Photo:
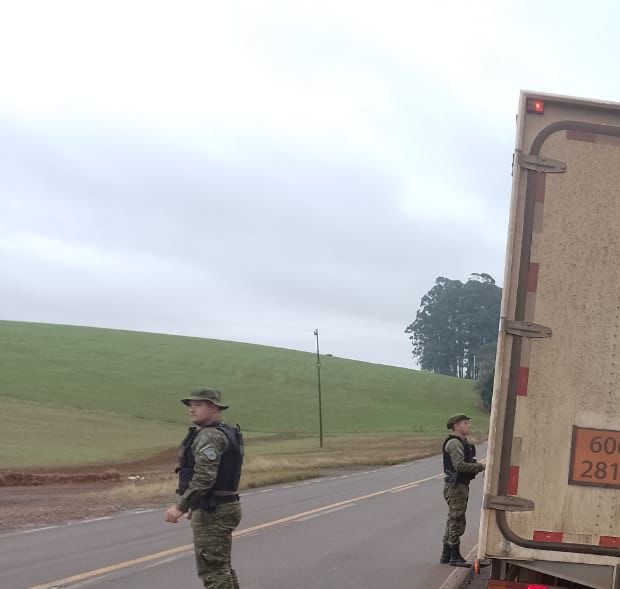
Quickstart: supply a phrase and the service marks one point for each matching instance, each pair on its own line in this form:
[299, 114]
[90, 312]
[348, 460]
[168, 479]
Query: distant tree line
[455, 330]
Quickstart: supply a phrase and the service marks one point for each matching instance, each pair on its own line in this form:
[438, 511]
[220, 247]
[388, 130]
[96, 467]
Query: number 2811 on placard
[595, 457]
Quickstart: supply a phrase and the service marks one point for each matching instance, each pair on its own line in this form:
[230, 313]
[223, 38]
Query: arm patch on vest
[209, 451]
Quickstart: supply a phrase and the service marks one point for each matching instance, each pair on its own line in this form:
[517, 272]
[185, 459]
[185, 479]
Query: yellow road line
[411, 486]
[112, 568]
[238, 534]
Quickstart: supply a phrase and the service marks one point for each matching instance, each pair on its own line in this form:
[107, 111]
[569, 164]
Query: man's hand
[173, 515]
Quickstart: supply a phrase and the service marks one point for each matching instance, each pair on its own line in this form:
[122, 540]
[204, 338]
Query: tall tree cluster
[455, 329]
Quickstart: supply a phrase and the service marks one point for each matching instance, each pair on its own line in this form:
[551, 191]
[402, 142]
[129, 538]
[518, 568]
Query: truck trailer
[551, 506]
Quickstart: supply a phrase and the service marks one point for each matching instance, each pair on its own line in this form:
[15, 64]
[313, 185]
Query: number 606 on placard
[595, 458]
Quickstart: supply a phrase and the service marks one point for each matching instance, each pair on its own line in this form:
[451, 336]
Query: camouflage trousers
[213, 543]
[456, 496]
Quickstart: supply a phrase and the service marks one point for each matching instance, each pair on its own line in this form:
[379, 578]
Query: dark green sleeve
[208, 447]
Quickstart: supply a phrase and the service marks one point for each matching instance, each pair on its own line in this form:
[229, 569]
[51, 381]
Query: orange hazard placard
[595, 458]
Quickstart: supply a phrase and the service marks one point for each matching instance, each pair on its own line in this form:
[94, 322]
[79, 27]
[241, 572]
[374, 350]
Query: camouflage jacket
[455, 450]
[208, 447]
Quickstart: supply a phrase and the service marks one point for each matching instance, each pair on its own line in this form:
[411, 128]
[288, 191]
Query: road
[377, 528]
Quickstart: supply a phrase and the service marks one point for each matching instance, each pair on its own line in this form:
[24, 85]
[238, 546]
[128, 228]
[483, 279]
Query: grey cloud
[275, 239]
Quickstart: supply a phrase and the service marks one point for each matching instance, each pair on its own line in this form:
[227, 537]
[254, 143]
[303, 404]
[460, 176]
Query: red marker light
[535, 106]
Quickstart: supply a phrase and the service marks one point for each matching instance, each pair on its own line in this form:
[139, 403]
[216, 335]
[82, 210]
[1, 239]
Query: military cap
[205, 394]
[456, 418]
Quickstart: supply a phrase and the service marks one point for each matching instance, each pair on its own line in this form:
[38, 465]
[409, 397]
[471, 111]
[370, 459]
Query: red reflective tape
[541, 536]
[609, 541]
[513, 480]
[514, 585]
[532, 278]
[524, 377]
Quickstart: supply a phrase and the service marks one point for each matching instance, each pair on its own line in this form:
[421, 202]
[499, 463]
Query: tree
[480, 318]
[454, 322]
[484, 384]
[484, 387]
[433, 339]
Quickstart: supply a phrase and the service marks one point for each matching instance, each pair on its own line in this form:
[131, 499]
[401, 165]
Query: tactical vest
[469, 450]
[228, 473]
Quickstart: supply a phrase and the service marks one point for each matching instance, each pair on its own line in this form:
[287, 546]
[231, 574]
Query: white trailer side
[552, 487]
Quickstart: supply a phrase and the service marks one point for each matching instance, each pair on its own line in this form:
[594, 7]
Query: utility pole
[318, 373]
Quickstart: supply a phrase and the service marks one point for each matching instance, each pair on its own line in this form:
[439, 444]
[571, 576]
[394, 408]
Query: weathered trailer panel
[552, 489]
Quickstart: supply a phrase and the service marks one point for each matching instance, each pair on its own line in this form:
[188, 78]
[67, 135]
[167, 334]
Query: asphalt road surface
[377, 528]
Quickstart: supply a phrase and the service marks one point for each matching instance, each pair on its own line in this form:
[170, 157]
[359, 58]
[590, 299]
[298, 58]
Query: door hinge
[539, 163]
[526, 329]
[507, 503]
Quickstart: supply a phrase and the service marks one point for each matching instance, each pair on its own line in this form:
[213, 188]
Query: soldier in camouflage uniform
[460, 467]
[209, 467]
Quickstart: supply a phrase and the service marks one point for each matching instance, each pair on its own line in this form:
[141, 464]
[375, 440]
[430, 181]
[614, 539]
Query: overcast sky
[254, 170]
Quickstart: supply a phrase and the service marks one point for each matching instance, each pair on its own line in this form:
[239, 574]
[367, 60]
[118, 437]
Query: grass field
[74, 395]
[42, 435]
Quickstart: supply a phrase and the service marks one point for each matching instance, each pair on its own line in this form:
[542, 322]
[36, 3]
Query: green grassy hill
[62, 376]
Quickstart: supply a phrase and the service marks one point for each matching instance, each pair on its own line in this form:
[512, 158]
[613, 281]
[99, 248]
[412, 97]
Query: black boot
[456, 558]
[446, 554]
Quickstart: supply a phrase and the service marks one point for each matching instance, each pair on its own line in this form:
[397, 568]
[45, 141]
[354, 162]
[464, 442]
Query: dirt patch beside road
[33, 507]
[31, 479]
[45, 497]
